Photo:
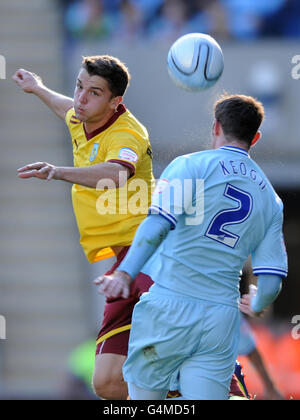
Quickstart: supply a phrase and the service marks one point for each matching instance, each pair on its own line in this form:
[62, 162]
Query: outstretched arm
[151, 232]
[86, 176]
[32, 83]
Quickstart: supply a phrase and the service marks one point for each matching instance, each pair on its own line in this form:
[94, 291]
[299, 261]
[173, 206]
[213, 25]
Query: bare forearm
[90, 176]
[32, 83]
[58, 103]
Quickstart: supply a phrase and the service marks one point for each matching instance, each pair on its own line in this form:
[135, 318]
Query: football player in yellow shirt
[111, 150]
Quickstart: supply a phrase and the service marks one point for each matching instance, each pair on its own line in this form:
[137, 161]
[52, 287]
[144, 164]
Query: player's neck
[222, 141]
[91, 126]
[236, 144]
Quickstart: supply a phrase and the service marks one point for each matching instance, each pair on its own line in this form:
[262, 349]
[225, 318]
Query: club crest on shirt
[94, 152]
[128, 154]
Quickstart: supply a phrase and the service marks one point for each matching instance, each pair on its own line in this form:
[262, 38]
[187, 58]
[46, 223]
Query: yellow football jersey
[107, 216]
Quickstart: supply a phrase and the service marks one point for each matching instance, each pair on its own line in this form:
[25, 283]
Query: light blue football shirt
[223, 209]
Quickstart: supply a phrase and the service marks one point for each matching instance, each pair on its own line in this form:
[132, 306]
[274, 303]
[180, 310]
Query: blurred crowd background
[143, 20]
[51, 308]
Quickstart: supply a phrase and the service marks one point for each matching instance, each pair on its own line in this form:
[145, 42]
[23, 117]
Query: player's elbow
[119, 174]
[108, 176]
[110, 183]
[120, 182]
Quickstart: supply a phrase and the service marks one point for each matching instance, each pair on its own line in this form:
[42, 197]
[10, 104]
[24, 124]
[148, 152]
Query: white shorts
[182, 343]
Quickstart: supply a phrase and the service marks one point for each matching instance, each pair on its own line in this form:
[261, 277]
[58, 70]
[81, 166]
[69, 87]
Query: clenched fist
[27, 81]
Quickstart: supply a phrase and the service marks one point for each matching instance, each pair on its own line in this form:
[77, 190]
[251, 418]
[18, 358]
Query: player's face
[93, 100]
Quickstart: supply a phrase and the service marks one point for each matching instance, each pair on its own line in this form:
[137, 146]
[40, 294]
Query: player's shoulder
[191, 158]
[188, 164]
[128, 123]
[278, 204]
[70, 118]
[204, 155]
[196, 161]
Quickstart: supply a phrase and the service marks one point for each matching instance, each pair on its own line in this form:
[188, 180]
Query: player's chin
[80, 116]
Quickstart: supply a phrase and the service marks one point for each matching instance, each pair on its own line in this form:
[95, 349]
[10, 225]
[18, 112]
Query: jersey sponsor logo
[94, 152]
[128, 154]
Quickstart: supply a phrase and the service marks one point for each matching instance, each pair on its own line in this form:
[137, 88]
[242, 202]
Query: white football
[195, 62]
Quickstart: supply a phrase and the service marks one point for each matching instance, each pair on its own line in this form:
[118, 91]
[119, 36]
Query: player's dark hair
[240, 117]
[111, 69]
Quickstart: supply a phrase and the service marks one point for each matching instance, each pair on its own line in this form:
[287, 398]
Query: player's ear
[216, 128]
[115, 102]
[256, 138]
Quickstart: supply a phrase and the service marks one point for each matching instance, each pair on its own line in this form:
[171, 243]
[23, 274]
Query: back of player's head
[240, 117]
[111, 69]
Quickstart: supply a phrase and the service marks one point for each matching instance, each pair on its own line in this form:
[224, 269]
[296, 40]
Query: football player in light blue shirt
[209, 212]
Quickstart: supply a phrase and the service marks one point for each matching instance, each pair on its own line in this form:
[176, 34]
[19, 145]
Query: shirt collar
[235, 150]
[120, 110]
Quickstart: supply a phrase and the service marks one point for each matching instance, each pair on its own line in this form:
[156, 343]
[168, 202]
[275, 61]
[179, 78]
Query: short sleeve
[270, 256]
[125, 148]
[70, 114]
[173, 192]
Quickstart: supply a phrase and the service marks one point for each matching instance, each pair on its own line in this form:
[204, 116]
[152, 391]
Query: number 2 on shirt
[216, 229]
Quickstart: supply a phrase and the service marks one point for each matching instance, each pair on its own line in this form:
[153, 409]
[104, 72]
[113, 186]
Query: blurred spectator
[284, 22]
[169, 19]
[150, 10]
[148, 7]
[112, 6]
[245, 18]
[208, 16]
[129, 23]
[86, 19]
[178, 17]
